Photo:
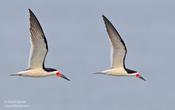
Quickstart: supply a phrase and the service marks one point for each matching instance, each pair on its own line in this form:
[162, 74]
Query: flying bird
[38, 52]
[119, 51]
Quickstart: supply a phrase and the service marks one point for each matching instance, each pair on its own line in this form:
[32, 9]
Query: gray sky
[79, 46]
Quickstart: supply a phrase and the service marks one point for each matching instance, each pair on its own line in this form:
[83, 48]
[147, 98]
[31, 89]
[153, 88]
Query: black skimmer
[39, 49]
[119, 53]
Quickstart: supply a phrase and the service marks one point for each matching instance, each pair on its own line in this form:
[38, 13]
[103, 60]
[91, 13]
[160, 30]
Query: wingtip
[29, 10]
[104, 18]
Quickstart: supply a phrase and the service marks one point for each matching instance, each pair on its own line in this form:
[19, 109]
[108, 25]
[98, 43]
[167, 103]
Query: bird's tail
[15, 74]
[99, 73]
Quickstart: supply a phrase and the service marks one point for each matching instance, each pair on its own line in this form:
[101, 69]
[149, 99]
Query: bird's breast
[116, 72]
[35, 73]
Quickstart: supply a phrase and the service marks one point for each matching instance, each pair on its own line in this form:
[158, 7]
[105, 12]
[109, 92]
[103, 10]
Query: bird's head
[138, 75]
[135, 73]
[60, 75]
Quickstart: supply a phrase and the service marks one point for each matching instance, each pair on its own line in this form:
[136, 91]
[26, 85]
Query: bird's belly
[116, 72]
[34, 73]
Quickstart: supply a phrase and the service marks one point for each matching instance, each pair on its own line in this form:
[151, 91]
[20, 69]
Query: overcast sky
[79, 46]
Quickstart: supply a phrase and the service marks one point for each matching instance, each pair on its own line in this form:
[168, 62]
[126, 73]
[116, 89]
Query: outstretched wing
[119, 48]
[39, 47]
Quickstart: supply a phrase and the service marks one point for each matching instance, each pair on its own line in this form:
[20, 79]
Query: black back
[130, 71]
[49, 69]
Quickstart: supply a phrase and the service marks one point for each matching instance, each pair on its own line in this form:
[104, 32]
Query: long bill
[142, 78]
[65, 77]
